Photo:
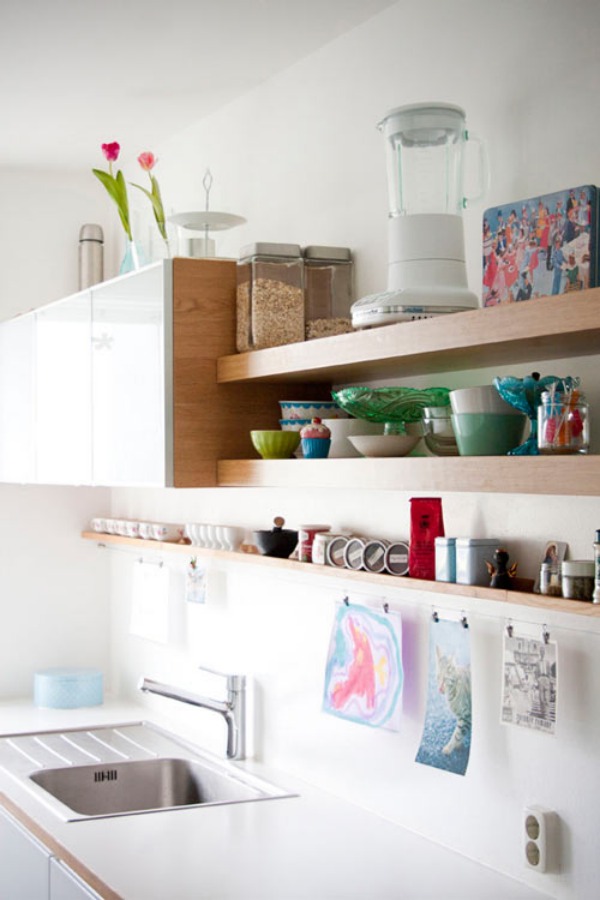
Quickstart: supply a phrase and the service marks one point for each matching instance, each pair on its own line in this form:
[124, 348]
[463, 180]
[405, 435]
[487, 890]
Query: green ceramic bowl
[488, 434]
[275, 444]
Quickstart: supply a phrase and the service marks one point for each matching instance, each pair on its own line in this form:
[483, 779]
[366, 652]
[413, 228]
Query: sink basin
[140, 785]
[125, 770]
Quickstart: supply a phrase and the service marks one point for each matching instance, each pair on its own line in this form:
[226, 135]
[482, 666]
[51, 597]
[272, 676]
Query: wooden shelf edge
[545, 475]
[547, 327]
[518, 598]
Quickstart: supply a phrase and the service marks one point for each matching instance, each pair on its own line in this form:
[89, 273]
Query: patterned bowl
[311, 409]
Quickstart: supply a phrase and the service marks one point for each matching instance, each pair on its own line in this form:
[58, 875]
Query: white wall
[300, 158]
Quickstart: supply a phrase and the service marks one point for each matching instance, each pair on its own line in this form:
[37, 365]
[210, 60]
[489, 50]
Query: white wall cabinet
[17, 403]
[63, 407]
[131, 395]
[24, 862]
[117, 385]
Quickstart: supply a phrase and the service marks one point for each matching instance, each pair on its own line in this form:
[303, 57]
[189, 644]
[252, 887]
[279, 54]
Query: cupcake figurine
[315, 439]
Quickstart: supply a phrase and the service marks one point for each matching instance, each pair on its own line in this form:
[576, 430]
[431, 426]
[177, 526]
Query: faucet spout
[233, 709]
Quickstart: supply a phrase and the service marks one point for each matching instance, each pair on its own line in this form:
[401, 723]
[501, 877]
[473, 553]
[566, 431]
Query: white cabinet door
[66, 885]
[17, 408]
[131, 365]
[24, 863]
[63, 392]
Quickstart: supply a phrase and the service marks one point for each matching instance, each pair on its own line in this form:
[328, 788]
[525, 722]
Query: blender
[425, 151]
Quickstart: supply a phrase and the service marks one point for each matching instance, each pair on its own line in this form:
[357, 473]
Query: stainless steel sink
[124, 770]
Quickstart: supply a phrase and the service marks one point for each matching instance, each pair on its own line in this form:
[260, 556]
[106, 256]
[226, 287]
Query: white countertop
[312, 846]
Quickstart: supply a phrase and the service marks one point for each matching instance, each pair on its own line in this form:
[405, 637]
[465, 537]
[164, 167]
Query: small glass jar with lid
[578, 579]
[563, 423]
[328, 273]
[270, 296]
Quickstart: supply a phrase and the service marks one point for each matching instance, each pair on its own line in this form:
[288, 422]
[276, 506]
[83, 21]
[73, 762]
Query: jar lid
[333, 254]
[264, 248]
[445, 541]
[478, 542]
[315, 429]
[582, 567]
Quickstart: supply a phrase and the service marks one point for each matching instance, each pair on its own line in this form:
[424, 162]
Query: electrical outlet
[540, 833]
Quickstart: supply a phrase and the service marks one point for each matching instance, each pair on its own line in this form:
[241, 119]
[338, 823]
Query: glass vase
[133, 258]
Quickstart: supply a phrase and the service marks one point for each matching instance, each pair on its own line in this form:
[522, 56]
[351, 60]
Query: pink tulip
[111, 151]
[147, 161]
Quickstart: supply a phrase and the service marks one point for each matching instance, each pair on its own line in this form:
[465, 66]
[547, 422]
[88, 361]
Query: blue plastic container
[68, 688]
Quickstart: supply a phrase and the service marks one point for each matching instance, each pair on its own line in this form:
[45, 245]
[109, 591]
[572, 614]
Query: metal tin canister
[396, 558]
[471, 557]
[335, 551]
[374, 555]
[445, 559]
[354, 554]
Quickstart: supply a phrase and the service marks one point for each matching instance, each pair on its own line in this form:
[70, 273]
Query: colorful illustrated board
[364, 675]
[530, 684]
[446, 739]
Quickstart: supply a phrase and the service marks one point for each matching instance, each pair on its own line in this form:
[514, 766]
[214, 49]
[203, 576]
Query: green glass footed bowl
[392, 405]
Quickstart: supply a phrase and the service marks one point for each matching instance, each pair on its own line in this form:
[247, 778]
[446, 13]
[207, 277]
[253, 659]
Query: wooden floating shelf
[545, 328]
[269, 563]
[549, 475]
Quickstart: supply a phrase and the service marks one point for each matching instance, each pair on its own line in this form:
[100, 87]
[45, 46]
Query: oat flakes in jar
[270, 296]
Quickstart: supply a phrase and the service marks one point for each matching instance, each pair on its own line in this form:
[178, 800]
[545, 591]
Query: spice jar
[563, 423]
[328, 273]
[578, 579]
[550, 579]
[270, 296]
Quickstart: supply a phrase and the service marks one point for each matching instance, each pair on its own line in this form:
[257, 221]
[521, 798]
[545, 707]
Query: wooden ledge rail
[518, 598]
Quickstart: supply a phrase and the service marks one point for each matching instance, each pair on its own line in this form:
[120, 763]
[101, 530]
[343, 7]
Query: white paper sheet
[150, 602]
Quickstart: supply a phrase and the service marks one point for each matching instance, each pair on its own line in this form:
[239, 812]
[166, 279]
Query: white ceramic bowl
[482, 399]
[342, 429]
[384, 444]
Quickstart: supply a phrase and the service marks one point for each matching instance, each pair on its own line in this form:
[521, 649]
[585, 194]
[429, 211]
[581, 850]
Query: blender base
[410, 304]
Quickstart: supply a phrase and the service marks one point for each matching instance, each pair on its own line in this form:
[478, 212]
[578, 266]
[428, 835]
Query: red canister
[306, 538]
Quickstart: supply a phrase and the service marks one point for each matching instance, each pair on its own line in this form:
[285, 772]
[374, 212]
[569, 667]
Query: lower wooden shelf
[518, 598]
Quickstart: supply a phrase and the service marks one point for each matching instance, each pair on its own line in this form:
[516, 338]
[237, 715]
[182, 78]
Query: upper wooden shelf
[546, 328]
[542, 475]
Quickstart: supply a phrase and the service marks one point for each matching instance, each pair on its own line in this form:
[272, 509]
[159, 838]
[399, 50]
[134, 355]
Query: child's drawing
[363, 677]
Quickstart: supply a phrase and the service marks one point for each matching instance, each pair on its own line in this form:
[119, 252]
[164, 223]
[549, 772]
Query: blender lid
[423, 123]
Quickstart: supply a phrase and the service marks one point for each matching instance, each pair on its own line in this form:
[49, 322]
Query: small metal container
[336, 551]
[445, 559]
[396, 558]
[471, 557]
[374, 555]
[354, 554]
[91, 256]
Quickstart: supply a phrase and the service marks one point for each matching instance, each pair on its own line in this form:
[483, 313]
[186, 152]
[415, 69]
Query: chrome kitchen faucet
[233, 709]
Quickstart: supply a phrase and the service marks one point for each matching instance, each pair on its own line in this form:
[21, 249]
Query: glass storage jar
[270, 296]
[563, 423]
[578, 579]
[328, 273]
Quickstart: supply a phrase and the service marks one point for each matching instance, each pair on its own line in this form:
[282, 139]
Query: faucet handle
[235, 683]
